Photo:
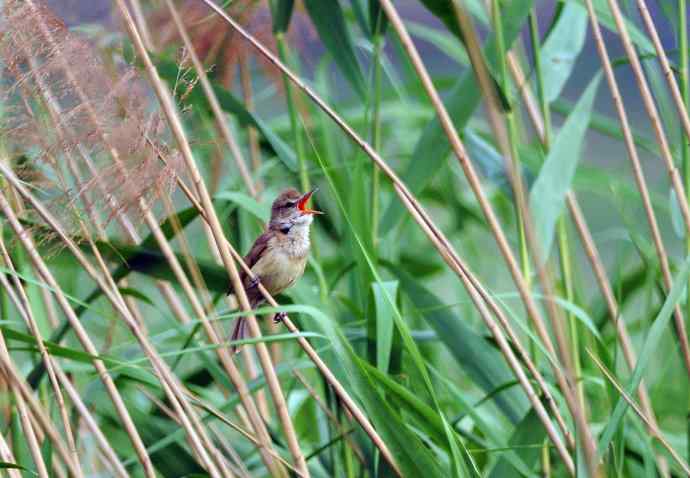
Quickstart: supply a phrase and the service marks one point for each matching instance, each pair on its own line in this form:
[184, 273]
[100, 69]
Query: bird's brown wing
[253, 293]
[250, 259]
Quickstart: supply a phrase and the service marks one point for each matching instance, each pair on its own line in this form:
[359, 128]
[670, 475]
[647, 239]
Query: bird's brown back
[253, 293]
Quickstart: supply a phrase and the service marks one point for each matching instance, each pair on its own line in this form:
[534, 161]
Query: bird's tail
[238, 333]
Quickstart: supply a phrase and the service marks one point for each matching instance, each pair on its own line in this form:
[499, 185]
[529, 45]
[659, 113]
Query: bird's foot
[256, 280]
[279, 317]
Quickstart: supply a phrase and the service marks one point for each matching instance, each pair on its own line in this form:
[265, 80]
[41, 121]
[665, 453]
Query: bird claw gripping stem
[279, 317]
[254, 282]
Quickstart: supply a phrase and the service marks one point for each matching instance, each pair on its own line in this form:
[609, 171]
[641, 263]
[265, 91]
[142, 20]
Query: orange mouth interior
[302, 204]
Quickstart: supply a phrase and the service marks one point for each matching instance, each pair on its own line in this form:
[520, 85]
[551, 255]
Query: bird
[278, 256]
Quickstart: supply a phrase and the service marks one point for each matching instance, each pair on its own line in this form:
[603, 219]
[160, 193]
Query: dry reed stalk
[316, 99]
[223, 355]
[604, 285]
[472, 177]
[656, 433]
[515, 341]
[201, 443]
[134, 237]
[218, 115]
[589, 247]
[58, 471]
[111, 456]
[672, 171]
[600, 272]
[252, 371]
[564, 377]
[198, 402]
[565, 380]
[224, 130]
[253, 418]
[27, 429]
[199, 283]
[175, 418]
[93, 117]
[596, 263]
[140, 18]
[49, 307]
[169, 110]
[638, 173]
[588, 243]
[306, 346]
[51, 366]
[526, 92]
[130, 233]
[8, 457]
[172, 260]
[665, 66]
[168, 383]
[652, 111]
[80, 332]
[240, 468]
[31, 440]
[211, 333]
[364, 146]
[331, 417]
[16, 384]
[496, 331]
[186, 252]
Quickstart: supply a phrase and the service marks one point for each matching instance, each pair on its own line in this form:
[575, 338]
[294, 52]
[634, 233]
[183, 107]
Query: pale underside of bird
[278, 257]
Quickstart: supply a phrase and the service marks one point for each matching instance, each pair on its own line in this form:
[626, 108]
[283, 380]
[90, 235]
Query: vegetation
[491, 292]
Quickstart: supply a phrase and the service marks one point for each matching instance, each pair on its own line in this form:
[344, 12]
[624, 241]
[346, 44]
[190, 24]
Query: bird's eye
[290, 203]
[285, 229]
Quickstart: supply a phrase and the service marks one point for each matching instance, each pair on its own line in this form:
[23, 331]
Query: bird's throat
[296, 242]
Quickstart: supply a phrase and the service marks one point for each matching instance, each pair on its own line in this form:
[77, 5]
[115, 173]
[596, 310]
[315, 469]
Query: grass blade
[432, 148]
[547, 195]
[384, 322]
[484, 365]
[649, 348]
[329, 21]
[562, 47]
[281, 12]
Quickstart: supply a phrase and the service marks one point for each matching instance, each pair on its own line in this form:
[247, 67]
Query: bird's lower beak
[302, 204]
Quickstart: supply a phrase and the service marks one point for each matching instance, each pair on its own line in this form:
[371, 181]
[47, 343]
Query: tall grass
[481, 298]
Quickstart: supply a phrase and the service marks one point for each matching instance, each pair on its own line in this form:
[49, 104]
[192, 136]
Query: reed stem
[376, 134]
[293, 113]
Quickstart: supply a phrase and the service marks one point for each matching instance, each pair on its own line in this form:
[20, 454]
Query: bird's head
[290, 207]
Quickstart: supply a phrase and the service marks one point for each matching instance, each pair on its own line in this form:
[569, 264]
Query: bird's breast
[278, 269]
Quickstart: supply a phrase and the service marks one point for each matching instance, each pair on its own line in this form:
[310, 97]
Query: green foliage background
[378, 303]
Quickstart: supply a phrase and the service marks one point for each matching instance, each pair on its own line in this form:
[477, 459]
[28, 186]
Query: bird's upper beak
[302, 204]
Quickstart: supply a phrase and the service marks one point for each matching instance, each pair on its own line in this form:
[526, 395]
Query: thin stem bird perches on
[297, 81]
[339, 390]
[169, 110]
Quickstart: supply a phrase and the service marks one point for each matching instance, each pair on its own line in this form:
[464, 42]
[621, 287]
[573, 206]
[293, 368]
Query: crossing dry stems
[102, 152]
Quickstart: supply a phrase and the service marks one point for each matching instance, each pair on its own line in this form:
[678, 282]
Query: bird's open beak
[302, 204]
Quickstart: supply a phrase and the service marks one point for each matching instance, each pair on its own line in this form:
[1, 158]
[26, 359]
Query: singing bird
[278, 257]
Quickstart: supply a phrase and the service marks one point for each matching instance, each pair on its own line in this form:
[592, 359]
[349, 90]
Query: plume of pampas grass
[79, 126]
[216, 43]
